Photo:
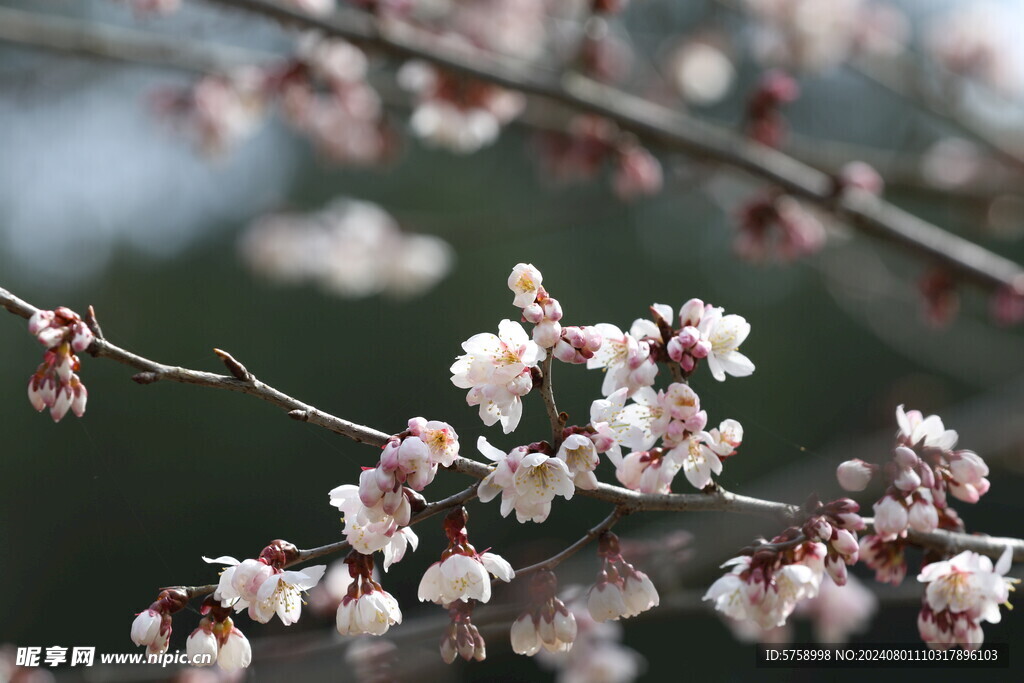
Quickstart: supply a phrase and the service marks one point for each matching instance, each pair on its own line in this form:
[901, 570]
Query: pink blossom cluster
[264, 586]
[767, 585]
[588, 145]
[621, 590]
[961, 593]
[55, 384]
[547, 623]
[764, 121]
[775, 225]
[924, 470]
[152, 626]
[219, 639]
[456, 112]
[575, 345]
[366, 608]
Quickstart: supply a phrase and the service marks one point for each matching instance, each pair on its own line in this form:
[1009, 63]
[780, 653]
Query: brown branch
[547, 392]
[564, 555]
[672, 130]
[629, 501]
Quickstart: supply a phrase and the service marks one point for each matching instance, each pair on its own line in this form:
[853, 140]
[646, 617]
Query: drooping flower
[366, 608]
[152, 627]
[462, 572]
[621, 589]
[527, 480]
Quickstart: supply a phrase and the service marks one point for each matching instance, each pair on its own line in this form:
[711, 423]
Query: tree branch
[670, 129]
[629, 501]
[564, 555]
[547, 392]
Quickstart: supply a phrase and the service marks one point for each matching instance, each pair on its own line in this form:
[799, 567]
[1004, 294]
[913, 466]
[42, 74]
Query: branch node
[300, 415]
[145, 377]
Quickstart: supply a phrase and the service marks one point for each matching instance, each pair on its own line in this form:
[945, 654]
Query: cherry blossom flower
[369, 529]
[580, 456]
[885, 557]
[496, 370]
[527, 480]
[264, 586]
[627, 362]
[726, 333]
[854, 475]
[152, 627]
[218, 640]
[525, 282]
[961, 593]
[462, 573]
[767, 586]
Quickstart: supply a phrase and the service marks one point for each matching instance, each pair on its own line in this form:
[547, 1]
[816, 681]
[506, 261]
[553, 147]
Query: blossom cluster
[963, 592]
[366, 607]
[219, 638]
[264, 586]
[924, 470]
[621, 590]
[767, 584]
[378, 510]
[528, 479]
[350, 249]
[55, 384]
[462, 572]
[547, 623]
[152, 626]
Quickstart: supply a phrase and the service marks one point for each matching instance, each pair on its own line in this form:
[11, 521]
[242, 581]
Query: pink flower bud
[51, 336]
[39, 321]
[552, 309]
[697, 422]
[675, 349]
[60, 407]
[546, 333]
[687, 363]
[890, 517]
[533, 313]
[81, 397]
[701, 349]
[923, 516]
[905, 457]
[854, 475]
[35, 396]
[821, 529]
[566, 353]
[836, 568]
[82, 338]
[907, 479]
[370, 491]
[845, 543]
[389, 456]
[691, 312]
[593, 341]
[967, 467]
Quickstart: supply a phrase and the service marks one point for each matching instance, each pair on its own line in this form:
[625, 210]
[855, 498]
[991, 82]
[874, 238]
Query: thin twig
[564, 555]
[630, 501]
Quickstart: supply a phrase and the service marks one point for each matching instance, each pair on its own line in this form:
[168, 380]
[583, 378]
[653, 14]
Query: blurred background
[269, 249]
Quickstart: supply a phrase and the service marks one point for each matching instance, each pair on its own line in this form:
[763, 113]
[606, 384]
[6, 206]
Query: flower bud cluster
[766, 585]
[55, 384]
[462, 573]
[547, 623]
[264, 586]
[776, 226]
[835, 524]
[462, 638]
[366, 608]
[578, 345]
[152, 627]
[219, 638]
[592, 142]
[765, 122]
[621, 590]
[962, 593]
[923, 471]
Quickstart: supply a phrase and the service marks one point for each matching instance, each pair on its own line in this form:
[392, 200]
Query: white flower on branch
[463, 577]
[961, 593]
[528, 481]
[626, 361]
[496, 370]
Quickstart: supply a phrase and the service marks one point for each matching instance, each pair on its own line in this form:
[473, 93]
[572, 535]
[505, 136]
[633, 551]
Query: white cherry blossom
[463, 577]
[725, 333]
